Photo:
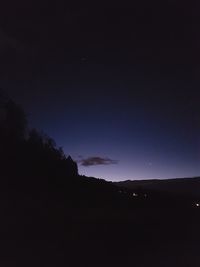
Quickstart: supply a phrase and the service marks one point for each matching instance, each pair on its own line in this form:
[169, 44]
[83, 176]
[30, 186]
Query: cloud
[92, 161]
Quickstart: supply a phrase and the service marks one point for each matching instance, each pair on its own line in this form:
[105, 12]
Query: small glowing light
[135, 195]
[197, 205]
[145, 195]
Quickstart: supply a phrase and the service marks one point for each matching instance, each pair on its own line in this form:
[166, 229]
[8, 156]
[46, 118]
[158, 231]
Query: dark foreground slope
[83, 223]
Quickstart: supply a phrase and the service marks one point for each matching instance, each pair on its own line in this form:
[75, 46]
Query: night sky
[116, 86]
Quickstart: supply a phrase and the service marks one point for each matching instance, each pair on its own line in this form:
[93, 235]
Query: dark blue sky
[117, 88]
[151, 134]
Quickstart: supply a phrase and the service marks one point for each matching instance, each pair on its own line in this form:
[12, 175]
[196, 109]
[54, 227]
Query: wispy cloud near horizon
[93, 161]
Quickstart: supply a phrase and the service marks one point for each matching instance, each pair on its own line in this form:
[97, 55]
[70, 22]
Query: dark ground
[35, 233]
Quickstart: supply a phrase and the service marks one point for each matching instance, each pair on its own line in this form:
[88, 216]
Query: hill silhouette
[53, 216]
[179, 186]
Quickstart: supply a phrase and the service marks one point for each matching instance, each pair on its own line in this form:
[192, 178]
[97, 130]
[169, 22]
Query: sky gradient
[153, 138]
[117, 88]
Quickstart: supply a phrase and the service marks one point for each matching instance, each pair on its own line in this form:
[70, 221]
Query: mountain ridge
[180, 186]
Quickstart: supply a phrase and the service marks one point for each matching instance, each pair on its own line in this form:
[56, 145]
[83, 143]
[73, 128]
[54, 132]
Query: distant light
[135, 195]
[145, 195]
[197, 204]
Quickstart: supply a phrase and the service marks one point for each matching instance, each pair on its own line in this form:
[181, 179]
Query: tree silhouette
[13, 122]
[29, 153]
[13, 127]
